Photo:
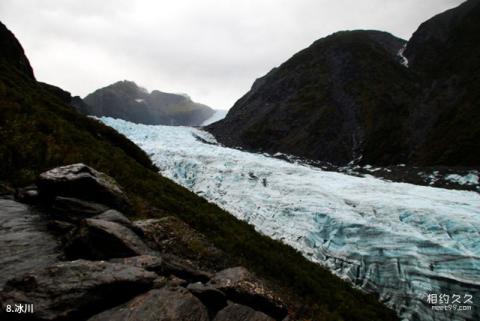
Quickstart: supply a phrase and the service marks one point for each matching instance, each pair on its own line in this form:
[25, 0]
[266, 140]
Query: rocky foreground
[69, 249]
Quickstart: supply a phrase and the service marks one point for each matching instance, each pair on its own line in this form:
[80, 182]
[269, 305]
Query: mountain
[39, 130]
[369, 97]
[445, 54]
[126, 100]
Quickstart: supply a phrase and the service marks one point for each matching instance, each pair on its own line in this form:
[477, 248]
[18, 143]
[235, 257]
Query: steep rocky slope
[39, 131]
[350, 97]
[445, 53]
[126, 100]
[58, 241]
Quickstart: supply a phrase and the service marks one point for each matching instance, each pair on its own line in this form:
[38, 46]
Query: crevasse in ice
[399, 240]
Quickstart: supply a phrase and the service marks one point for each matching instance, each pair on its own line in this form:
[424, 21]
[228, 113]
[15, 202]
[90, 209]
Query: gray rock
[237, 312]
[25, 240]
[212, 298]
[166, 266]
[97, 239]
[167, 304]
[28, 195]
[73, 209]
[83, 182]
[243, 287]
[76, 290]
[117, 217]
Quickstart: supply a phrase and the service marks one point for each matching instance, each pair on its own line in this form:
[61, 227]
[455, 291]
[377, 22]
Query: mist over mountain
[363, 96]
[126, 100]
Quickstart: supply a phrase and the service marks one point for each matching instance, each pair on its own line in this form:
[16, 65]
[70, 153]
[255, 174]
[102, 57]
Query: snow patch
[403, 59]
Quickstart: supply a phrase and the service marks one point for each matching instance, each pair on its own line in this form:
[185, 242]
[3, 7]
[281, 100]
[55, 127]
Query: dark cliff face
[348, 97]
[445, 53]
[12, 52]
[128, 101]
[327, 102]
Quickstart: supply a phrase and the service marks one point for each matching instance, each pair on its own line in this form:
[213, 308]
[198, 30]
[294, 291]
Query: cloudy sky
[211, 49]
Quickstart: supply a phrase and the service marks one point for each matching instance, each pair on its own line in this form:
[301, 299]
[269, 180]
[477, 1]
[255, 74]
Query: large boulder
[237, 312]
[83, 182]
[98, 239]
[166, 304]
[172, 235]
[25, 240]
[243, 287]
[75, 290]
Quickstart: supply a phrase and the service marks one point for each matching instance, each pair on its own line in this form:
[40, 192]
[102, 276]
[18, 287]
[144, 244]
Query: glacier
[402, 241]
[218, 115]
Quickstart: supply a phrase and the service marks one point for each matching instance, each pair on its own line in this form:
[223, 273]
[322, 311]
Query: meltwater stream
[413, 245]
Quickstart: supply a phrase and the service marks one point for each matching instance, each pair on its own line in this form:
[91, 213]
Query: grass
[39, 132]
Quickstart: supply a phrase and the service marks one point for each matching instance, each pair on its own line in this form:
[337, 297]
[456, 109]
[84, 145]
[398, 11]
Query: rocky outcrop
[167, 304]
[80, 180]
[167, 265]
[70, 290]
[125, 100]
[353, 97]
[211, 297]
[237, 312]
[153, 264]
[96, 239]
[73, 209]
[243, 287]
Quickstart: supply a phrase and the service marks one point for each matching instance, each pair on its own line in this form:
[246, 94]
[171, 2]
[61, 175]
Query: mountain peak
[12, 52]
[126, 100]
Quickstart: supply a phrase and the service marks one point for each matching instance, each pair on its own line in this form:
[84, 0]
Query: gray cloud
[211, 49]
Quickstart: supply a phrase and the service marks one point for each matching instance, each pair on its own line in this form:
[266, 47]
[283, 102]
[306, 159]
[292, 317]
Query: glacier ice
[399, 240]
[218, 115]
[471, 178]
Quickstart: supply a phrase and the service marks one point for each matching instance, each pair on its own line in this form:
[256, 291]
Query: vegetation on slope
[39, 131]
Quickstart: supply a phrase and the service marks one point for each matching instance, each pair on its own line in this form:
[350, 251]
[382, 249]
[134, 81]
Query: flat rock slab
[25, 242]
[83, 182]
[237, 312]
[100, 240]
[166, 304]
[75, 290]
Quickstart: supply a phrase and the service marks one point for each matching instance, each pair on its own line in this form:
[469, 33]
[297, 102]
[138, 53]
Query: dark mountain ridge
[348, 98]
[126, 100]
[39, 130]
